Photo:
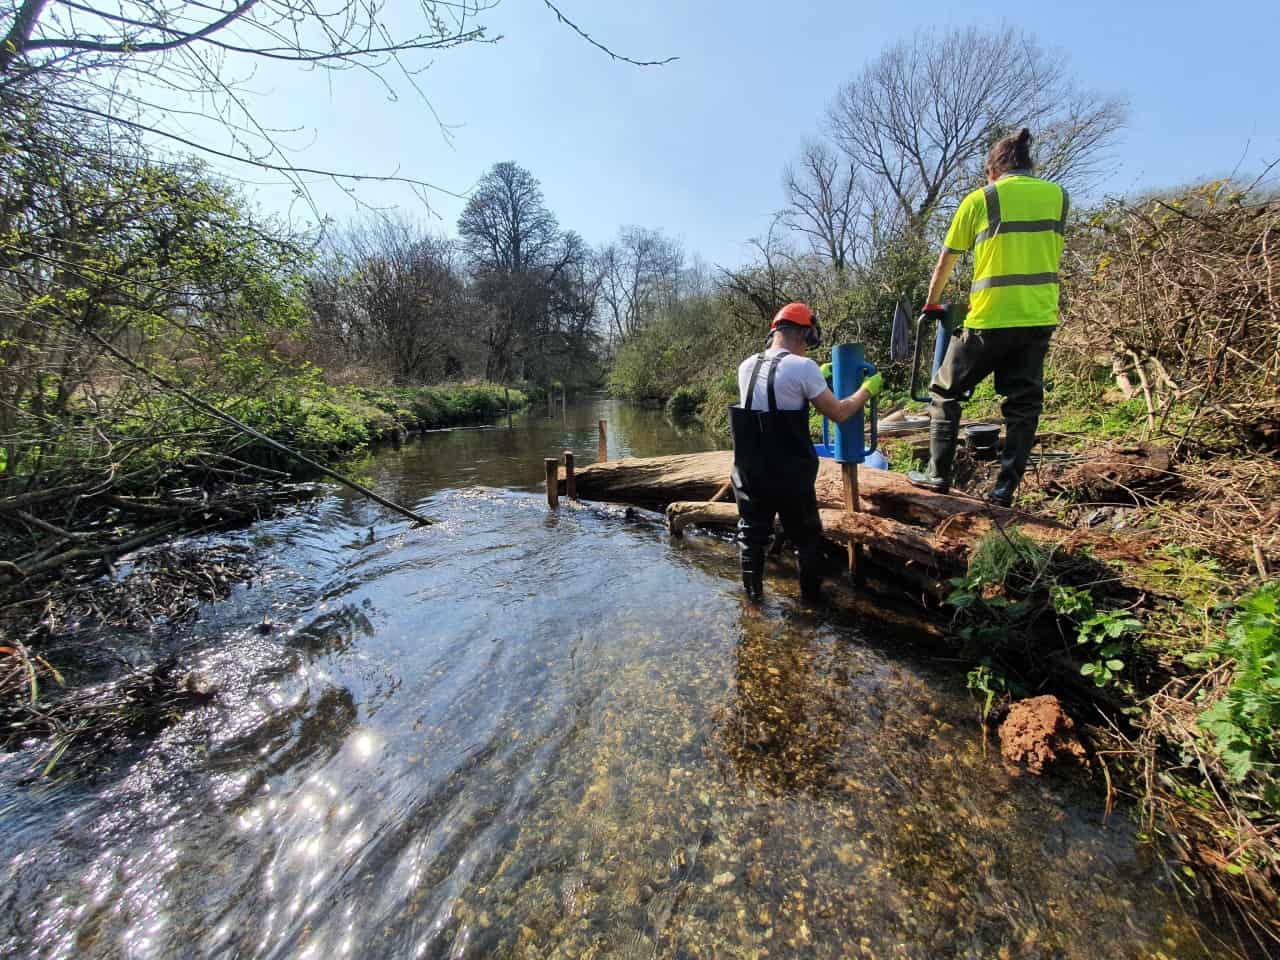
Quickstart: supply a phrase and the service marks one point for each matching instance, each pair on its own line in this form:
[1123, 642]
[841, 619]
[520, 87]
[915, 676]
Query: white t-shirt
[799, 379]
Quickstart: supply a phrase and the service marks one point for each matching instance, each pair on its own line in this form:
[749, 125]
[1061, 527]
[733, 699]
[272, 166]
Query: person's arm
[838, 411]
[960, 238]
[941, 274]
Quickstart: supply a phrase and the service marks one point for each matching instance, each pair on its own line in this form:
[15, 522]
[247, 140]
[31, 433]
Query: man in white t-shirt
[774, 463]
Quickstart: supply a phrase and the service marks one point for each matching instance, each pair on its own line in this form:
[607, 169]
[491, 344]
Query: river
[515, 733]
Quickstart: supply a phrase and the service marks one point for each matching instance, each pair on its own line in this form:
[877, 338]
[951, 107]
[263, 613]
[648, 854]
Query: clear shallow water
[521, 734]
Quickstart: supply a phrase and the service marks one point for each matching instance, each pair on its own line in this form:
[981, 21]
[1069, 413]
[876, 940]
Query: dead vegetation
[1185, 293]
[75, 725]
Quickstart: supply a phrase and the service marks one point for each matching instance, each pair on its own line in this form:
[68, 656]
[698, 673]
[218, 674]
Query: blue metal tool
[849, 368]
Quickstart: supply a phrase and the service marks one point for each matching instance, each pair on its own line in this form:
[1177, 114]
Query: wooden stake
[602, 451]
[570, 485]
[849, 474]
[553, 482]
[564, 403]
[506, 393]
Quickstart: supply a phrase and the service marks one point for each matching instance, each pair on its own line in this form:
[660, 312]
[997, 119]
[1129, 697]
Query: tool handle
[915, 363]
[872, 417]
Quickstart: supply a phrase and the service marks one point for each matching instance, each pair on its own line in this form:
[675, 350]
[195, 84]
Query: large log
[697, 476]
[948, 526]
[925, 560]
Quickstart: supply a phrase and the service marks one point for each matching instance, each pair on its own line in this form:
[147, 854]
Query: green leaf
[1088, 669]
[1239, 763]
[1115, 665]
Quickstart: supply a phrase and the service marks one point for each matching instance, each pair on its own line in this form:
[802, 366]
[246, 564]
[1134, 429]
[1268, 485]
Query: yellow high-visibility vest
[1014, 228]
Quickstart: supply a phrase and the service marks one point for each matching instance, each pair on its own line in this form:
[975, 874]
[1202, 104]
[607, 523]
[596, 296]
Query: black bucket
[982, 438]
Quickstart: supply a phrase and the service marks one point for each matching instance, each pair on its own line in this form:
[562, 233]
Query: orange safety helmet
[799, 314]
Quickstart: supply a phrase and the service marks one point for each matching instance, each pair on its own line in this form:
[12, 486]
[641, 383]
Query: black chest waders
[774, 469]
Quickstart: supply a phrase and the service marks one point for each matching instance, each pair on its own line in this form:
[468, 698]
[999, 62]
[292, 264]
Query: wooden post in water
[570, 485]
[602, 451]
[553, 482]
[551, 401]
[852, 505]
[564, 402]
[506, 393]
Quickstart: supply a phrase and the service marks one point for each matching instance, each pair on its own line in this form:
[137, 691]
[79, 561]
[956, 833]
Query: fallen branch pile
[1186, 293]
[86, 527]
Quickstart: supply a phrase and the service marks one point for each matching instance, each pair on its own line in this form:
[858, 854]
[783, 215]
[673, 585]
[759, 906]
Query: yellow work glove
[873, 385]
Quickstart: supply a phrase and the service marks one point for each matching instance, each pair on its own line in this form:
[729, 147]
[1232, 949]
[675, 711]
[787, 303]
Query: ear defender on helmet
[813, 333]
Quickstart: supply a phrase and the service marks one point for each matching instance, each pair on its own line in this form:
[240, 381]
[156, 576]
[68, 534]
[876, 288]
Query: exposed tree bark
[900, 524]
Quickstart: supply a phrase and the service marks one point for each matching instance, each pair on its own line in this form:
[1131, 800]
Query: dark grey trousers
[1015, 355]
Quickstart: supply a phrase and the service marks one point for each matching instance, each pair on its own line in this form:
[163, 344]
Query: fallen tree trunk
[902, 527]
[925, 561]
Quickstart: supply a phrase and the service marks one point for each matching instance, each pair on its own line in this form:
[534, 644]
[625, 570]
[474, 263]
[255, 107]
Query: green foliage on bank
[1244, 722]
[1014, 584]
[450, 405]
[323, 422]
[685, 404]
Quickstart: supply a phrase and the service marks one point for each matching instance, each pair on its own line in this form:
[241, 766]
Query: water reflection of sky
[524, 735]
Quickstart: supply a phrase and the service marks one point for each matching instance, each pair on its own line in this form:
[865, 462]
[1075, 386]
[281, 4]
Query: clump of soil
[1036, 733]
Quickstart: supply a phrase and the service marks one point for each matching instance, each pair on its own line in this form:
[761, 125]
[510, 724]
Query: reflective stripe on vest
[1016, 255]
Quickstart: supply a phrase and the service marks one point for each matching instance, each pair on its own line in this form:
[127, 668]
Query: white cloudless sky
[697, 147]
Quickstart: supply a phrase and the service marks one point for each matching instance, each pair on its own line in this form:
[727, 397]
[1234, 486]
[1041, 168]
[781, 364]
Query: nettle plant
[1244, 723]
[1105, 634]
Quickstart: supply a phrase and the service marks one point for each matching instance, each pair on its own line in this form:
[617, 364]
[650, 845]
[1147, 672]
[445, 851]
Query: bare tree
[920, 118]
[506, 225]
[641, 275]
[160, 67]
[824, 202]
[535, 279]
[393, 296]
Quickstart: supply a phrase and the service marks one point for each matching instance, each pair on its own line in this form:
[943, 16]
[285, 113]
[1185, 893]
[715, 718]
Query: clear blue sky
[697, 147]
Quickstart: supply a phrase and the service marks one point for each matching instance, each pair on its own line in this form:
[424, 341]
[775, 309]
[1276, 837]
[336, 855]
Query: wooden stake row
[552, 466]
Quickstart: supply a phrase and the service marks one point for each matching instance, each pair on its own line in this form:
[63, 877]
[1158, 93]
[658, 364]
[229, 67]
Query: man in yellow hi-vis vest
[1014, 226]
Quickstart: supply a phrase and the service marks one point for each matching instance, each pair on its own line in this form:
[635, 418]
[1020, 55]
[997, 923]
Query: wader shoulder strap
[773, 373]
[751, 384]
[761, 360]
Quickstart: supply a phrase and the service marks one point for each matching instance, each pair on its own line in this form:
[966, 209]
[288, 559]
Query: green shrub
[685, 403]
[1244, 723]
[452, 404]
[1104, 633]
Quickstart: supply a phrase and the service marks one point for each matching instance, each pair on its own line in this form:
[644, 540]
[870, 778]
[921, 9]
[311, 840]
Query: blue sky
[697, 147]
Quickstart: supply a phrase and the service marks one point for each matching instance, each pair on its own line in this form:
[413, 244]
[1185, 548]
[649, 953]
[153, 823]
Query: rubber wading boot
[753, 574]
[942, 456]
[809, 566]
[1018, 442]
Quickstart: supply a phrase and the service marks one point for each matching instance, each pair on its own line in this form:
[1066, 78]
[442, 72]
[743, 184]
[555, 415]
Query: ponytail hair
[1010, 153]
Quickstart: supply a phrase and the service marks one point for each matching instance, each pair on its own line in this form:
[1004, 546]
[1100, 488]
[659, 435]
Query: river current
[518, 733]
